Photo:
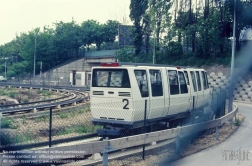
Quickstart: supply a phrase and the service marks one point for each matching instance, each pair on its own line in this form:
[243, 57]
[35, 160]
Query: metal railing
[107, 146]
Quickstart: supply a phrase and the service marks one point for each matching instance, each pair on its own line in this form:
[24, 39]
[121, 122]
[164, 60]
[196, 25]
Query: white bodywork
[111, 100]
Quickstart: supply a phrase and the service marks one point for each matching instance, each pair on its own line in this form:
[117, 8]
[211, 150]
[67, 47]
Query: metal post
[40, 70]
[232, 64]
[192, 118]
[5, 70]
[219, 104]
[178, 143]
[50, 128]
[144, 127]
[34, 59]
[212, 102]
[1, 115]
[224, 102]
[231, 123]
[154, 49]
[105, 157]
[217, 133]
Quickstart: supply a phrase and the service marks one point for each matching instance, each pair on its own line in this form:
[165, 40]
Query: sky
[22, 16]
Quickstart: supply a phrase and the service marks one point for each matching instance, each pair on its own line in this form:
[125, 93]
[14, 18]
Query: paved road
[240, 144]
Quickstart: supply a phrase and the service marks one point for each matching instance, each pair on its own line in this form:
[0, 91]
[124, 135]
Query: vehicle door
[156, 89]
[200, 99]
[206, 91]
[179, 94]
[193, 88]
[184, 96]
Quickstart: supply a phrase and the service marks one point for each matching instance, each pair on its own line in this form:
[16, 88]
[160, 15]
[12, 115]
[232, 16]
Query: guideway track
[74, 97]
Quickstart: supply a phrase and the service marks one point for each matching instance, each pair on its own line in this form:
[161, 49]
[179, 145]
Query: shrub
[25, 100]
[7, 122]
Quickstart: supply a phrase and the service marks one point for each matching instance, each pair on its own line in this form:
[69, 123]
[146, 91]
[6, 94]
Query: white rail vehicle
[119, 90]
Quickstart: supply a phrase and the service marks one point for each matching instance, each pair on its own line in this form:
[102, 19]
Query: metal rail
[80, 97]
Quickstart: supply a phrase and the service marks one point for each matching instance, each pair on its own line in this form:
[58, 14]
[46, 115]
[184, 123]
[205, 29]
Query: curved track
[73, 97]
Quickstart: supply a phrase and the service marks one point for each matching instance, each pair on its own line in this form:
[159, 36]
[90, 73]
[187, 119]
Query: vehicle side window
[198, 80]
[156, 83]
[205, 83]
[173, 81]
[186, 76]
[142, 82]
[182, 81]
[193, 81]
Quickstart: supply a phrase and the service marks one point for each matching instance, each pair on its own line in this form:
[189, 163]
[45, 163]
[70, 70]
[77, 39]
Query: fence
[106, 146]
[46, 127]
[57, 126]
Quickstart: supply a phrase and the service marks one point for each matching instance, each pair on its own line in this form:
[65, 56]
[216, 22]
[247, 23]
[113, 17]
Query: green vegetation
[25, 100]
[24, 137]
[39, 91]
[24, 120]
[44, 118]
[44, 92]
[3, 92]
[82, 110]
[8, 123]
[47, 93]
[237, 122]
[190, 34]
[9, 91]
[80, 129]
[63, 115]
[56, 45]
[72, 112]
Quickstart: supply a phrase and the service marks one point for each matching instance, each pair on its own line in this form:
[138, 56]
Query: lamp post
[232, 64]
[154, 49]
[35, 43]
[154, 41]
[5, 69]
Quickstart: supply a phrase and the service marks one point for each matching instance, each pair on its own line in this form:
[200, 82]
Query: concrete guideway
[236, 150]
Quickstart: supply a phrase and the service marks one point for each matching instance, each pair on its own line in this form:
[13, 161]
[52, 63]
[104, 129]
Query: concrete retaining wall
[242, 89]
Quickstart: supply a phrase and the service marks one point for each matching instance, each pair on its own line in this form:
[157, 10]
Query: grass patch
[3, 93]
[237, 122]
[72, 113]
[46, 93]
[63, 115]
[82, 110]
[39, 91]
[25, 100]
[44, 118]
[25, 137]
[65, 131]
[12, 94]
[8, 123]
[24, 120]
[80, 129]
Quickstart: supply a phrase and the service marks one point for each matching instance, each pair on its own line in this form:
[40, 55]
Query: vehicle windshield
[118, 78]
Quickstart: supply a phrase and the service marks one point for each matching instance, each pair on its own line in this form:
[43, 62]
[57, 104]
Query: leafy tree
[67, 40]
[111, 31]
[88, 29]
[137, 12]
[160, 17]
[18, 69]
